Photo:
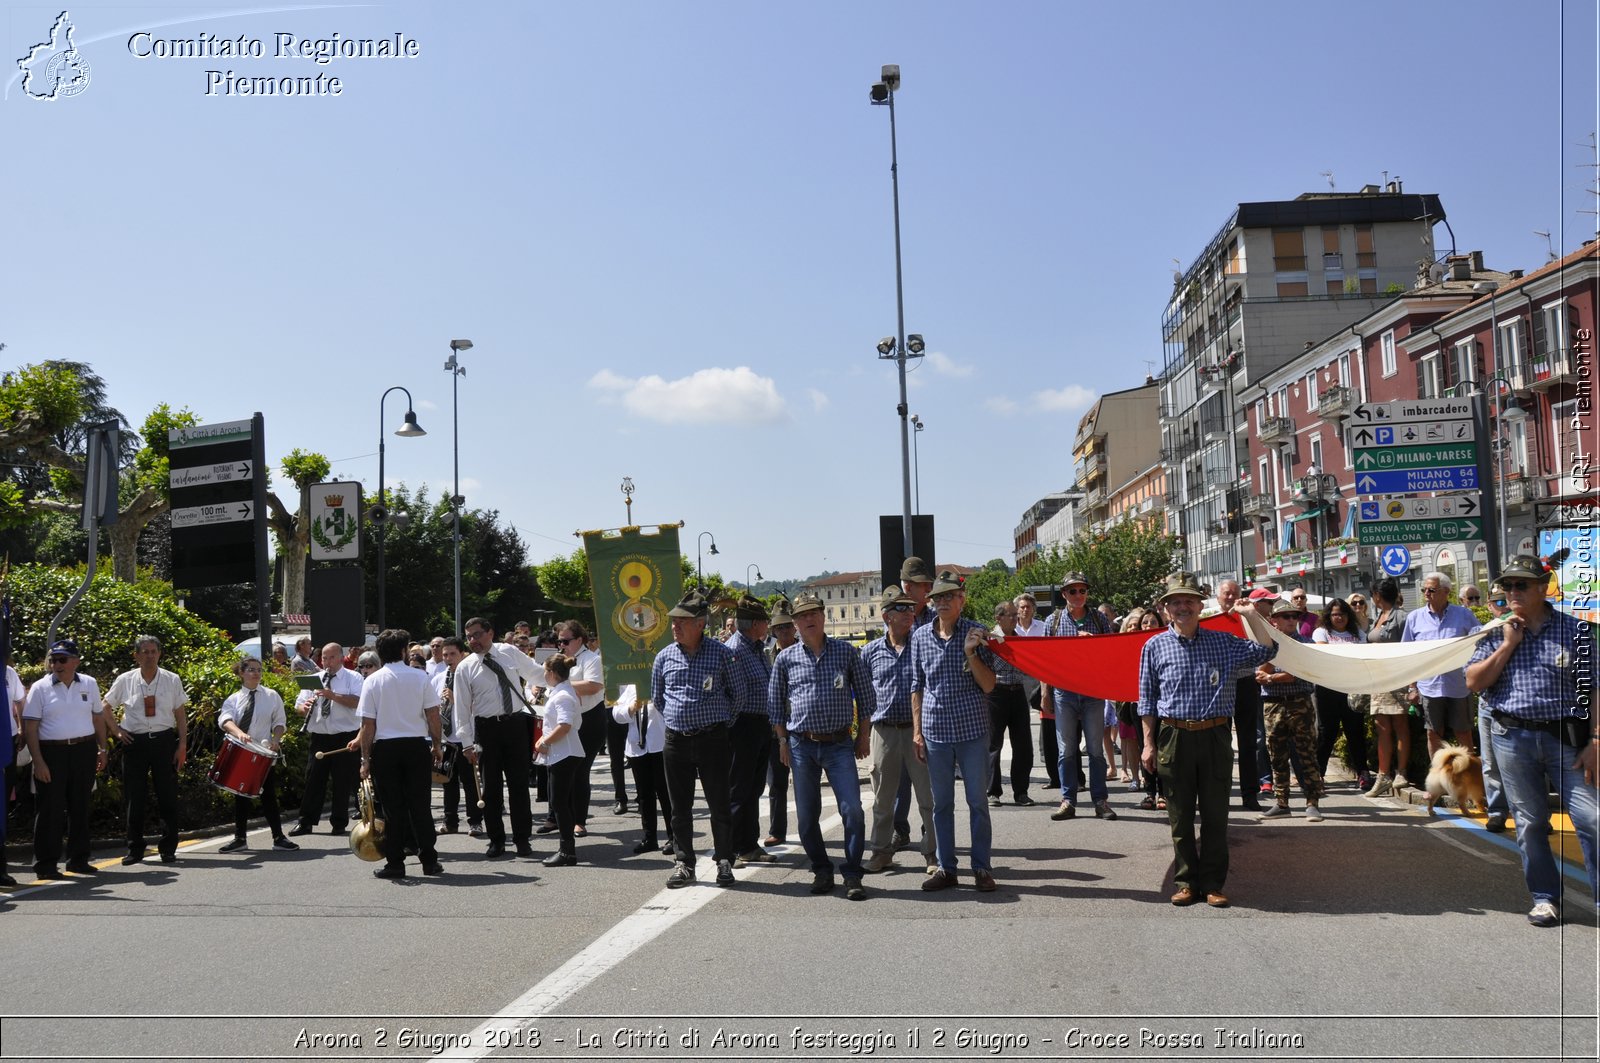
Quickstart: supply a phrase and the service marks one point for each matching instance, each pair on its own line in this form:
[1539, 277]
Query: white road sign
[199, 475]
[222, 513]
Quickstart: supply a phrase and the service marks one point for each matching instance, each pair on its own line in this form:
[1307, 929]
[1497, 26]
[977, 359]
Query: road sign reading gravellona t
[216, 482]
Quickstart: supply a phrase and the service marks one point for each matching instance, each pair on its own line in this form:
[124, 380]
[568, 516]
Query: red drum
[241, 767]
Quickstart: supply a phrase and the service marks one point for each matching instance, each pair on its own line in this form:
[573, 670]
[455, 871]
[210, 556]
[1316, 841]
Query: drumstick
[477, 774]
[331, 752]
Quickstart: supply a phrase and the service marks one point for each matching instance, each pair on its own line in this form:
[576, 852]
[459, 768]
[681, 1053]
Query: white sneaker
[1544, 914]
[1401, 780]
[1382, 788]
[1313, 814]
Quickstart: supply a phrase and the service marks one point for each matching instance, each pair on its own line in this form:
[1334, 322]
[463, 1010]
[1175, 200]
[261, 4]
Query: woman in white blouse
[1335, 710]
[563, 753]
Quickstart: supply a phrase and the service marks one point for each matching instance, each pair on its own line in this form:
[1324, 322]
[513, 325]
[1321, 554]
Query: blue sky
[667, 229]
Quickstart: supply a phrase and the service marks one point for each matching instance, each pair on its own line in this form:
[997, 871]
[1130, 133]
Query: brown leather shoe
[1217, 899]
[938, 880]
[1185, 897]
[984, 881]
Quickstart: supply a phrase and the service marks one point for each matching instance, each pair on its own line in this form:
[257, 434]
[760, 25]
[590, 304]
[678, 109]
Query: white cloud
[819, 401]
[999, 404]
[944, 365]
[722, 396]
[427, 404]
[1059, 400]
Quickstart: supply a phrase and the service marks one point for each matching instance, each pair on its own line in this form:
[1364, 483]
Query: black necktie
[448, 718]
[326, 706]
[505, 684]
[249, 712]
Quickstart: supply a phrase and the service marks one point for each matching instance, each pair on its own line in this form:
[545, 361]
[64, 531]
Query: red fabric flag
[1101, 666]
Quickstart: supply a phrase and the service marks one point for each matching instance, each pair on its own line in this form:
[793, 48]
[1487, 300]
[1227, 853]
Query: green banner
[636, 577]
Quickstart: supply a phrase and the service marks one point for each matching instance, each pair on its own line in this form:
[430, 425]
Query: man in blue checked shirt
[893, 758]
[1536, 678]
[817, 688]
[750, 734]
[1186, 693]
[952, 671]
[696, 686]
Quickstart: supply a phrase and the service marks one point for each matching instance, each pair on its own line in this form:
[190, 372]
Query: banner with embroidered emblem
[634, 574]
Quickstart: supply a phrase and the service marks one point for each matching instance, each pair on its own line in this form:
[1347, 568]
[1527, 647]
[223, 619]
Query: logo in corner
[54, 69]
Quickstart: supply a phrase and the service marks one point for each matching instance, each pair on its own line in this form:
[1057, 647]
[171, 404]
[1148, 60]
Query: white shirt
[561, 707]
[477, 690]
[398, 697]
[655, 731]
[586, 669]
[437, 668]
[63, 710]
[1034, 630]
[130, 689]
[15, 691]
[268, 717]
[340, 719]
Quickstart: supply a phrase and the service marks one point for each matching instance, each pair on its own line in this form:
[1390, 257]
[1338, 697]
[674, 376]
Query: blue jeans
[1494, 794]
[1527, 759]
[807, 761]
[973, 757]
[1075, 713]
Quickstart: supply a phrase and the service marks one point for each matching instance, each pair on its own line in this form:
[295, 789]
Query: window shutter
[1422, 379]
[1540, 340]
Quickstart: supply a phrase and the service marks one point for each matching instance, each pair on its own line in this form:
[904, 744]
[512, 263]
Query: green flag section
[1416, 457]
[1389, 532]
[636, 578]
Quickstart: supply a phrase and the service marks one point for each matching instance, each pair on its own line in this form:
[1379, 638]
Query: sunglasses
[1471, 598]
[1076, 590]
[1357, 603]
[894, 609]
[944, 596]
[569, 638]
[1518, 584]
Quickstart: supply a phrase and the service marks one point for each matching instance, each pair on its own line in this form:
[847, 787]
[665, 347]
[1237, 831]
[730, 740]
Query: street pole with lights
[916, 462]
[748, 584]
[1316, 487]
[456, 372]
[380, 512]
[900, 346]
[1490, 486]
[699, 570]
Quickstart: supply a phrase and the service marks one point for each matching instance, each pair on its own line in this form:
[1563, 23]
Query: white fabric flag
[1364, 668]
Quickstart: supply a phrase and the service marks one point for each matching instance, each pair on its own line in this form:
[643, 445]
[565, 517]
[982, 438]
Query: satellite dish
[1436, 273]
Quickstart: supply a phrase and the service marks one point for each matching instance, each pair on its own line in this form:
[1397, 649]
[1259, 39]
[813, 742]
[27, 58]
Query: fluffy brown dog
[1456, 771]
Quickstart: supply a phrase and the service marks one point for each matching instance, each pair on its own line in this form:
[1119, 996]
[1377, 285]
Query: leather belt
[824, 736]
[1196, 725]
[1008, 686]
[696, 731]
[1505, 719]
[137, 735]
[66, 741]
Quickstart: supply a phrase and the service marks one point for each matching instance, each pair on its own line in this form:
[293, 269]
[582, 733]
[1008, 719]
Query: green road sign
[1416, 457]
[1391, 532]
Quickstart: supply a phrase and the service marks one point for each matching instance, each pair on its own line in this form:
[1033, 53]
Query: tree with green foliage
[39, 404]
[1126, 565]
[987, 587]
[293, 530]
[566, 580]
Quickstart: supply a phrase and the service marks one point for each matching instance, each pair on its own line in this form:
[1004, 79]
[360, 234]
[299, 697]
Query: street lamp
[456, 373]
[916, 462]
[1510, 412]
[380, 512]
[699, 572]
[882, 93]
[1315, 487]
[748, 584]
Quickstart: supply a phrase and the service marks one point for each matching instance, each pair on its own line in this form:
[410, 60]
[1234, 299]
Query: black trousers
[1333, 714]
[650, 784]
[1008, 711]
[617, 750]
[343, 769]
[269, 807]
[1247, 730]
[402, 778]
[750, 741]
[705, 754]
[563, 795]
[777, 793]
[461, 778]
[592, 733]
[65, 796]
[150, 756]
[505, 746]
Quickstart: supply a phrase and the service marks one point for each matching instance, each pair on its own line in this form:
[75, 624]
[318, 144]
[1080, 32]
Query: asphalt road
[1376, 934]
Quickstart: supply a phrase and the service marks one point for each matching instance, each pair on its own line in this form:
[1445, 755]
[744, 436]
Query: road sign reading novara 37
[1407, 447]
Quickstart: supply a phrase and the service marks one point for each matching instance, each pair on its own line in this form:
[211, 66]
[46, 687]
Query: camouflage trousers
[1292, 726]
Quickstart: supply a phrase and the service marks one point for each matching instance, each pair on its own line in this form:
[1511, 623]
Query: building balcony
[1173, 495]
[1522, 491]
[1092, 468]
[1338, 401]
[1211, 378]
[1178, 448]
[1548, 370]
[1258, 505]
[1214, 428]
[1519, 376]
[1277, 431]
[1089, 441]
[1219, 476]
[1095, 497]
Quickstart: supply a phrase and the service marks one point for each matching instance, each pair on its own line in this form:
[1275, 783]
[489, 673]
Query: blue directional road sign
[1396, 560]
[1408, 481]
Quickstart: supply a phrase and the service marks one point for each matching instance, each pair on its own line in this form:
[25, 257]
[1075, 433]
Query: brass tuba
[366, 837]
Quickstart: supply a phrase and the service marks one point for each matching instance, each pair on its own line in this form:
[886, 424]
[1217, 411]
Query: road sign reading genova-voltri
[1454, 530]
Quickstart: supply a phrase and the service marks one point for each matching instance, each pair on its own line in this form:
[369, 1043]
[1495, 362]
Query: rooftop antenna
[1329, 175]
[1549, 246]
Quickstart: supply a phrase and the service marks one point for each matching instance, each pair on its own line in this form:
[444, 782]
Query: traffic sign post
[1466, 529]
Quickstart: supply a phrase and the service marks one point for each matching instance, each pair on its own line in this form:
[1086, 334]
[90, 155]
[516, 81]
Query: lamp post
[1509, 411]
[900, 346]
[456, 372]
[749, 585]
[1315, 487]
[916, 462]
[699, 571]
[380, 512]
